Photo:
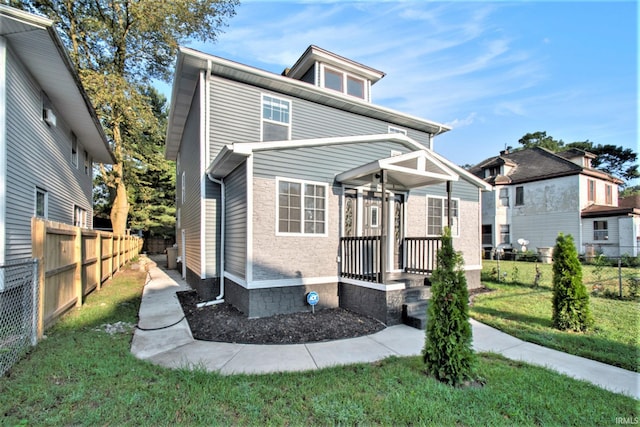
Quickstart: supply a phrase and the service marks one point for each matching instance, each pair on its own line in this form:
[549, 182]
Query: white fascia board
[484, 186]
[415, 172]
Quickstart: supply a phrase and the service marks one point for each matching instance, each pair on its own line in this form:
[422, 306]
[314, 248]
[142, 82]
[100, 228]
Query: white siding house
[538, 194]
[50, 135]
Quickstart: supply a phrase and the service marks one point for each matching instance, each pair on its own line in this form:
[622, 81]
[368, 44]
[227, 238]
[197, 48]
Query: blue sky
[492, 70]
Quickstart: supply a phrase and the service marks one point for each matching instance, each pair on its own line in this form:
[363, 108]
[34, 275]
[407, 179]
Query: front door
[363, 217]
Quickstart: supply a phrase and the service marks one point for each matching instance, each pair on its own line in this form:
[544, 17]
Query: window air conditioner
[49, 117]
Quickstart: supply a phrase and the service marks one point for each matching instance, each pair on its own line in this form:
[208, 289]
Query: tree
[615, 160]
[570, 298]
[118, 46]
[541, 139]
[448, 353]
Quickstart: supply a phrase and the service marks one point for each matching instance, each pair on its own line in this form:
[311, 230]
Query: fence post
[99, 261]
[77, 258]
[620, 275]
[35, 303]
[38, 235]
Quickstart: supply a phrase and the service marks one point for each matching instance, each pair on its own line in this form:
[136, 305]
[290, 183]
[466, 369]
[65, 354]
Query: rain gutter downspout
[220, 298]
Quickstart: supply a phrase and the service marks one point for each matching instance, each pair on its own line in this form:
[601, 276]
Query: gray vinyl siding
[235, 113]
[462, 189]
[321, 163]
[190, 220]
[212, 203]
[235, 240]
[37, 156]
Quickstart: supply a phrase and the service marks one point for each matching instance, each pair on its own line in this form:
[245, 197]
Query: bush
[448, 353]
[570, 298]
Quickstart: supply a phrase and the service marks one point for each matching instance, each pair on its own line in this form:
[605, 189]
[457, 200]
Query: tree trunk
[120, 209]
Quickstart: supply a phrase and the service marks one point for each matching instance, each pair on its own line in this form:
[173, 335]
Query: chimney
[505, 151]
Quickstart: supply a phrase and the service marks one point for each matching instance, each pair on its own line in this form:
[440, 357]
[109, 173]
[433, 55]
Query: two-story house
[538, 194]
[296, 182]
[50, 135]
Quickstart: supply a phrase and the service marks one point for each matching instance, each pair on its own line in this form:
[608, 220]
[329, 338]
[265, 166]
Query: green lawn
[525, 312]
[81, 375]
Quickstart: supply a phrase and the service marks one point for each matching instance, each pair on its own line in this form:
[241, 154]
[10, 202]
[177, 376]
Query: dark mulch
[224, 323]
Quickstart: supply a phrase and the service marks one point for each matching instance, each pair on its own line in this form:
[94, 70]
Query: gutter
[220, 298]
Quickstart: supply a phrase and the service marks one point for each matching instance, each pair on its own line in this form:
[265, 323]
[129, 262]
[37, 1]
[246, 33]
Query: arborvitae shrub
[570, 298]
[448, 353]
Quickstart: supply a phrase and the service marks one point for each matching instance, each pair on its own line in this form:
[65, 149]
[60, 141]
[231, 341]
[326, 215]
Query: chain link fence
[18, 310]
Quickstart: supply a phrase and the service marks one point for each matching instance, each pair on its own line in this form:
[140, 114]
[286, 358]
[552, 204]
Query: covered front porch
[374, 247]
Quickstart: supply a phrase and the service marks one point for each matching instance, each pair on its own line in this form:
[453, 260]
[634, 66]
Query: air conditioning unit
[49, 117]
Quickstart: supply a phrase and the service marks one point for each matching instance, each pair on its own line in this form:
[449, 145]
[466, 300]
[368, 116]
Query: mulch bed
[224, 323]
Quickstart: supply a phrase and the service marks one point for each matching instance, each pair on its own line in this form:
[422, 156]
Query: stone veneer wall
[279, 300]
[207, 289]
[385, 306]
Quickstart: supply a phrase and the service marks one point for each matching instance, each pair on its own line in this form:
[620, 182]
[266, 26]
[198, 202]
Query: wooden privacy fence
[73, 262]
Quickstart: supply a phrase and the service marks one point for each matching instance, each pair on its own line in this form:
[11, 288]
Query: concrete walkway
[174, 347]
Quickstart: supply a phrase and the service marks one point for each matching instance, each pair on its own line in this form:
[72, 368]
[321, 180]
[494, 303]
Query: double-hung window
[79, 217]
[608, 193]
[276, 118]
[437, 215]
[591, 190]
[74, 150]
[41, 203]
[600, 230]
[519, 196]
[505, 234]
[301, 207]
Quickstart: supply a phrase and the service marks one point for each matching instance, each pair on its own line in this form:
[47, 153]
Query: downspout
[220, 298]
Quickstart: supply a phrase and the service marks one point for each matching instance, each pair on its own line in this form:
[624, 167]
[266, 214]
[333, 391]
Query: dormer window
[343, 82]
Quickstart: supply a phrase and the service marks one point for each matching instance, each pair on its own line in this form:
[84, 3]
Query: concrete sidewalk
[174, 346]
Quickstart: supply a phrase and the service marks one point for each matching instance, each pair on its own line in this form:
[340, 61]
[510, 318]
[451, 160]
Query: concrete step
[417, 321]
[417, 294]
[414, 313]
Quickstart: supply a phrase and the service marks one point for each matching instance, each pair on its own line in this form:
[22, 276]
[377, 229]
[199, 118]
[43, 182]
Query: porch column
[449, 217]
[383, 233]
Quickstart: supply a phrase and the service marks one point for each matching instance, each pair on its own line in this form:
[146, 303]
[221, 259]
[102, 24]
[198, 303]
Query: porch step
[411, 280]
[414, 313]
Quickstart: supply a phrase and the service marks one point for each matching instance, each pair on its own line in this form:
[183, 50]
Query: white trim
[302, 196]
[345, 81]
[204, 138]
[3, 147]
[235, 279]
[285, 283]
[377, 286]
[249, 178]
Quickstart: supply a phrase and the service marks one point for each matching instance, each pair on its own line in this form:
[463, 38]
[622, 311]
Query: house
[538, 194]
[50, 135]
[280, 180]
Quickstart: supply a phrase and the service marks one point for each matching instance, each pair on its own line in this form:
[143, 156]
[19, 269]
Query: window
[393, 129]
[375, 217]
[504, 197]
[437, 211]
[333, 80]
[505, 237]
[343, 83]
[276, 118]
[608, 191]
[302, 207]
[183, 187]
[79, 217]
[487, 235]
[87, 163]
[591, 190]
[519, 196]
[74, 150]
[600, 230]
[41, 203]
[355, 87]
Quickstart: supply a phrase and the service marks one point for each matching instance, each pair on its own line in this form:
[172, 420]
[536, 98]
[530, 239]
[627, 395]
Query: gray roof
[534, 164]
[35, 41]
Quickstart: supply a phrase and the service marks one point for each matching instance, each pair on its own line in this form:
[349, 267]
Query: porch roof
[404, 172]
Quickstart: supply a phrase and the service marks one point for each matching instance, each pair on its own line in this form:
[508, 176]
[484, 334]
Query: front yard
[518, 308]
[84, 374]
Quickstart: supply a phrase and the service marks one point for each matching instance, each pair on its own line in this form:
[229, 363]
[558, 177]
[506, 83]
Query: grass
[525, 312]
[81, 375]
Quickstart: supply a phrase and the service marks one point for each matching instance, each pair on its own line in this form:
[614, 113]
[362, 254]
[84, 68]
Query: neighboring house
[49, 133]
[280, 181]
[538, 194]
